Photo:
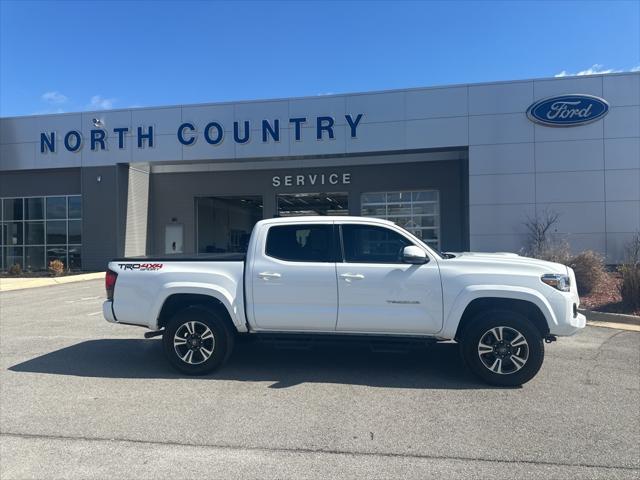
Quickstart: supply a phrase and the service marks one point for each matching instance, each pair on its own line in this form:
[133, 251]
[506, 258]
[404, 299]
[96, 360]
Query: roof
[325, 218]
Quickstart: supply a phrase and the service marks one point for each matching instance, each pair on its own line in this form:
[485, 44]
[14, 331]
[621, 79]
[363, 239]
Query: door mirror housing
[414, 255]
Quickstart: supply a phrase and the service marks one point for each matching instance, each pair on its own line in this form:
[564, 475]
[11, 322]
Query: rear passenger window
[301, 243]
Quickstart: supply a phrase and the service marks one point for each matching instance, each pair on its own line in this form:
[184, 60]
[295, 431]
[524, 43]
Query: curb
[10, 284]
[610, 317]
[612, 320]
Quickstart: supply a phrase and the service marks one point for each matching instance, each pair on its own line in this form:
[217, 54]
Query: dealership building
[463, 167]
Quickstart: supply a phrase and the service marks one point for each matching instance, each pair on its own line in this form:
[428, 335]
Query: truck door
[378, 292]
[294, 278]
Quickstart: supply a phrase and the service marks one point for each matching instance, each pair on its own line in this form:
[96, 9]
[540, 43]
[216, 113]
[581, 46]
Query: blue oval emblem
[568, 110]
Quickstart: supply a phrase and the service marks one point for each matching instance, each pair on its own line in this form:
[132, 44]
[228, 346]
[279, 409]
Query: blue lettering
[48, 143]
[142, 136]
[273, 131]
[181, 139]
[97, 136]
[78, 141]
[236, 132]
[324, 123]
[353, 123]
[296, 122]
[207, 130]
[121, 131]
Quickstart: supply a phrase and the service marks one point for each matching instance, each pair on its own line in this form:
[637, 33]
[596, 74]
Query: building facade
[463, 167]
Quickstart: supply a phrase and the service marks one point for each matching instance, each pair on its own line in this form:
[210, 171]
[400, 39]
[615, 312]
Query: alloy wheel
[503, 350]
[194, 342]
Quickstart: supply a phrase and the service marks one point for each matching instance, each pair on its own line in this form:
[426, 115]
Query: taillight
[110, 283]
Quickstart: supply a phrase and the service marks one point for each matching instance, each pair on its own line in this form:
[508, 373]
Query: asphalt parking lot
[83, 398]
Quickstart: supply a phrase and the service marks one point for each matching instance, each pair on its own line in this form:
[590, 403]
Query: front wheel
[197, 341]
[503, 348]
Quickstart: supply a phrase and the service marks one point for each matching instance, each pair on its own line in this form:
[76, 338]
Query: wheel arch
[525, 307]
[177, 301]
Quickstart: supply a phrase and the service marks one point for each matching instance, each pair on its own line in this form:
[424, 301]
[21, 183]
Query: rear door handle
[351, 276]
[268, 275]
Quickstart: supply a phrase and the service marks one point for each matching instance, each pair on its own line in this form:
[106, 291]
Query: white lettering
[300, 180]
[562, 110]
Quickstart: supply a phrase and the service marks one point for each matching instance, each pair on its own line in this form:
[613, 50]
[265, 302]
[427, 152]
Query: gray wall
[33, 183]
[173, 194]
[104, 204]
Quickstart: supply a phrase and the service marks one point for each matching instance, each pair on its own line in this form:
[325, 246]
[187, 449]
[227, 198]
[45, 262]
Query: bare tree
[538, 230]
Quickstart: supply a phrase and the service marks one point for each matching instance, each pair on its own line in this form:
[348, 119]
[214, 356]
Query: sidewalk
[7, 284]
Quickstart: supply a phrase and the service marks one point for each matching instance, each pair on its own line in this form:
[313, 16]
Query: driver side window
[372, 244]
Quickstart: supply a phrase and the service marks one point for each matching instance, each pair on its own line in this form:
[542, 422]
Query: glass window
[371, 244]
[75, 207]
[75, 258]
[13, 256]
[13, 234]
[12, 209]
[34, 208]
[75, 231]
[35, 230]
[34, 259]
[415, 211]
[56, 232]
[57, 253]
[34, 233]
[301, 243]
[56, 208]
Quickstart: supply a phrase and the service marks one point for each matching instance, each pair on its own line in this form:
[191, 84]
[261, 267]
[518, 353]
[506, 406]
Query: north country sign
[568, 110]
[213, 133]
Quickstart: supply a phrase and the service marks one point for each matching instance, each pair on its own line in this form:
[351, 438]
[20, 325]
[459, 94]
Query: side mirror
[414, 255]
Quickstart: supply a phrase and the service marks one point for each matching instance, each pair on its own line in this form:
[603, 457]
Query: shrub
[589, 269]
[56, 267]
[630, 271]
[15, 269]
[557, 252]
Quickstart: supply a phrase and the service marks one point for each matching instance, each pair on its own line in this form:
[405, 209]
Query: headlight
[557, 281]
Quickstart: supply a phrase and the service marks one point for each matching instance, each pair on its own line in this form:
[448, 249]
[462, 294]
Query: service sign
[568, 110]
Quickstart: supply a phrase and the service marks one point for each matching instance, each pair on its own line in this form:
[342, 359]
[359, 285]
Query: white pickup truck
[348, 276]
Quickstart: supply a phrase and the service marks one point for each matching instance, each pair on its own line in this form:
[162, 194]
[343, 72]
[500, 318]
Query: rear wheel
[197, 341]
[503, 347]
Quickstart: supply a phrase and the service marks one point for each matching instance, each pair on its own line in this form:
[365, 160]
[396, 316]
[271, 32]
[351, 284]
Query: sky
[92, 55]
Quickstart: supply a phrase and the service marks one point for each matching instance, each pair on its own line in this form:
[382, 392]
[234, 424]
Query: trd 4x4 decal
[143, 267]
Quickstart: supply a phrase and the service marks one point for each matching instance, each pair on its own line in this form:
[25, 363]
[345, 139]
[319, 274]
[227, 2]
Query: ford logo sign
[568, 110]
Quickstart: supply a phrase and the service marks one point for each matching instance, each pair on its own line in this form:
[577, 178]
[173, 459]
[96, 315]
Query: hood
[507, 258]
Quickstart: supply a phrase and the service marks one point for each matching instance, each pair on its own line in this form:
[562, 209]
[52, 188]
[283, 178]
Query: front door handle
[268, 275]
[351, 276]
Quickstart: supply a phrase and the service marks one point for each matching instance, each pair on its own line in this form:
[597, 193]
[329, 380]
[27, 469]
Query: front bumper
[107, 311]
[570, 326]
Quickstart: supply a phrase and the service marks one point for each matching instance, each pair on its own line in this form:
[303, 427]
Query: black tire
[483, 358]
[210, 334]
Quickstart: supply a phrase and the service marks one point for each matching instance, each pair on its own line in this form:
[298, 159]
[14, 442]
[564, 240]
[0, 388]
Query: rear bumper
[107, 311]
